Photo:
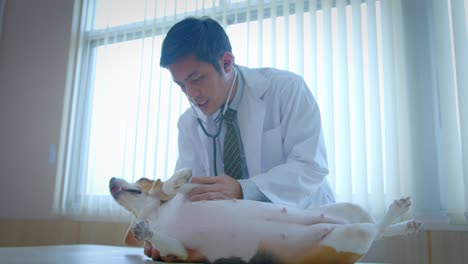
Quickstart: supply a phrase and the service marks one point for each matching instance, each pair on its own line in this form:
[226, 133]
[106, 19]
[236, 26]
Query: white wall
[33, 60]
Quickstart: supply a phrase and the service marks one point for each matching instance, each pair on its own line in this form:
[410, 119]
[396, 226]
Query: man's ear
[227, 61]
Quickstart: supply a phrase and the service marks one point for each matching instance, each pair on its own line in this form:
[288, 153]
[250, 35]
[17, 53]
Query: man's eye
[197, 80]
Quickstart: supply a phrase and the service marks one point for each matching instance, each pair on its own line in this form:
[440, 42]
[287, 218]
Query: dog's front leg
[178, 180]
[166, 245]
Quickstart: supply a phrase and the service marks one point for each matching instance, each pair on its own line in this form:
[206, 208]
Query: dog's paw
[141, 231]
[396, 210]
[413, 226]
[399, 207]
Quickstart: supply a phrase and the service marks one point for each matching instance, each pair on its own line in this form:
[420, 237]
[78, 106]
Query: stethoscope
[219, 119]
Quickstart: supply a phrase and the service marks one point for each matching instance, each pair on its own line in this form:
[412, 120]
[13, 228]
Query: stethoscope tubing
[220, 125]
[213, 138]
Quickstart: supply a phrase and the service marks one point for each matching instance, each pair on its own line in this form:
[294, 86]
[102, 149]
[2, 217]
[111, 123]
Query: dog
[244, 231]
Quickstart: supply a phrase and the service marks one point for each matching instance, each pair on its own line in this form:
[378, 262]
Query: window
[120, 120]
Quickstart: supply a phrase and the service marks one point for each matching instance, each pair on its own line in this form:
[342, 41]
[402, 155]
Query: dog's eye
[134, 191]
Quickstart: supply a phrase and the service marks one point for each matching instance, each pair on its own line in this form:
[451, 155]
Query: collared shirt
[249, 189]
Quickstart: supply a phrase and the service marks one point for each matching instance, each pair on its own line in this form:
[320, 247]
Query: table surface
[73, 254]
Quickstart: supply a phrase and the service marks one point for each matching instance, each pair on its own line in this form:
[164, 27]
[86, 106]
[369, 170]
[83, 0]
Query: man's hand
[193, 256]
[222, 187]
[151, 252]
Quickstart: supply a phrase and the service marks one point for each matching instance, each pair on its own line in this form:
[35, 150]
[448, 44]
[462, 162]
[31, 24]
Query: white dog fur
[223, 229]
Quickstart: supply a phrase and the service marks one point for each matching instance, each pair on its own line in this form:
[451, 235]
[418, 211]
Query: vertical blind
[451, 23]
[121, 110]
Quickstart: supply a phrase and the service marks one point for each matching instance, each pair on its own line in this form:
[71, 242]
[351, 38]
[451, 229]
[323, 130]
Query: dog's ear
[158, 191]
[158, 185]
[145, 184]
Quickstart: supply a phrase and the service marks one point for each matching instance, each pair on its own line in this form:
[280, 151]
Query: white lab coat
[280, 127]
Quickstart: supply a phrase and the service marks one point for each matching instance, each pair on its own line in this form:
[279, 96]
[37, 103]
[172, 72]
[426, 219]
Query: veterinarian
[278, 153]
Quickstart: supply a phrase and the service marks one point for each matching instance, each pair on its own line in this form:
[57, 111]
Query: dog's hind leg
[402, 228]
[356, 238]
[344, 244]
[351, 213]
[395, 210]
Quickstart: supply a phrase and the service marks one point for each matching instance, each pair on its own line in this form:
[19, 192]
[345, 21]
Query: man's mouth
[199, 101]
[201, 104]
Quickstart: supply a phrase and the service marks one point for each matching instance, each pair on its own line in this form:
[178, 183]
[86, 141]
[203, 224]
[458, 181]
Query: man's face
[205, 87]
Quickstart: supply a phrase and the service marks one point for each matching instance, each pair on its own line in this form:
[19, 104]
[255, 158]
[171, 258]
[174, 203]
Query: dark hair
[202, 37]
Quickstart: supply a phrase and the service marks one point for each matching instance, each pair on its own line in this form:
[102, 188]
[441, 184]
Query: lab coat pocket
[272, 149]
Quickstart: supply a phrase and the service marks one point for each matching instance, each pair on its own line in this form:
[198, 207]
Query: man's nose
[192, 91]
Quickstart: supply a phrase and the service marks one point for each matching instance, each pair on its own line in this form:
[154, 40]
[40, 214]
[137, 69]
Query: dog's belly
[236, 228]
[223, 237]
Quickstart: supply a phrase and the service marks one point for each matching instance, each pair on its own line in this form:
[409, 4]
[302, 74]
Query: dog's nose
[112, 182]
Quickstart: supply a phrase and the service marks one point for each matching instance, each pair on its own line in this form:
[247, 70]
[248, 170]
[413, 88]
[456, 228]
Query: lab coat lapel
[251, 115]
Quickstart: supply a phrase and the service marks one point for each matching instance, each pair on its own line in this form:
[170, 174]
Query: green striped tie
[232, 159]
